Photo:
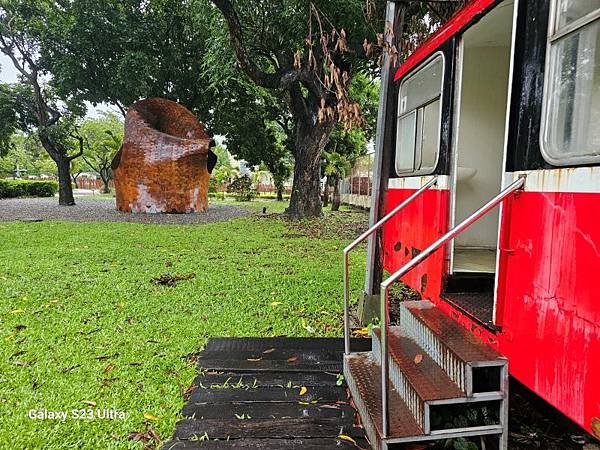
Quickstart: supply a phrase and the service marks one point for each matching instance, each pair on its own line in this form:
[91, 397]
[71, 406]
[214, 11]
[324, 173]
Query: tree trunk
[311, 139]
[105, 180]
[65, 188]
[337, 199]
[279, 193]
[326, 191]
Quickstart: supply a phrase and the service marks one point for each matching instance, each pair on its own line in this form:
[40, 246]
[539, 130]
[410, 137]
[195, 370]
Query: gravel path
[103, 210]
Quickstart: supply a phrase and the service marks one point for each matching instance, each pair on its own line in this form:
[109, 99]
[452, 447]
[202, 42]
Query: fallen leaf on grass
[276, 303]
[108, 368]
[167, 279]
[149, 416]
[22, 363]
[105, 357]
[89, 403]
[186, 394]
[149, 437]
[303, 390]
[70, 368]
[418, 358]
[343, 437]
[18, 311]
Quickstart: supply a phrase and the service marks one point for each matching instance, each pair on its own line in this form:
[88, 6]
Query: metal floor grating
[480, 305]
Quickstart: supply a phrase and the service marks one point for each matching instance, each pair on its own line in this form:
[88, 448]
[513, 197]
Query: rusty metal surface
[365, 377]
[454, 337]
[426, 377]
[162, 165]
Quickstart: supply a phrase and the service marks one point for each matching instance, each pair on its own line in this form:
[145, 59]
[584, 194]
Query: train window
[570, 134]
[419, 118]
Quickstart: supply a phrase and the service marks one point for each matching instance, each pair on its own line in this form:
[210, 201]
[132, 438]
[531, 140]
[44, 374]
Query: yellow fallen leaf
[362, 331]
[17, 311]
[303, 390]
[88, 402]
[276, 303]
[149, 416]
[343, 437]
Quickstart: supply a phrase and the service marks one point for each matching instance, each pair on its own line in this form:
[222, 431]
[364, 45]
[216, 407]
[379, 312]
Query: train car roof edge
[457, 22]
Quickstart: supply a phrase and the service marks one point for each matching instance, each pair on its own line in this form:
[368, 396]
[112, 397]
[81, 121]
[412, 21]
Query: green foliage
[120, 51]
[103, 138]
[241, 188]
[26, 188]
[26, 153]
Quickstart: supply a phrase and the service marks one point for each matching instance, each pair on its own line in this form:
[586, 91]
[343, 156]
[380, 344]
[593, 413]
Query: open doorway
[483, 77]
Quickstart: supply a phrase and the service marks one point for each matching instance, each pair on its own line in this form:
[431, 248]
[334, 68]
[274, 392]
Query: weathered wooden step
[305, 356]
[268, 444]
[363, 376]
[265, 365]
[265, 410]
[227, 344]
[281, 379]
[263, 428]
[321, 394]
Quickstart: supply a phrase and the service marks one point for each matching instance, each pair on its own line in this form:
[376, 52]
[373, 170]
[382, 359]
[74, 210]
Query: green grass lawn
[81, 321]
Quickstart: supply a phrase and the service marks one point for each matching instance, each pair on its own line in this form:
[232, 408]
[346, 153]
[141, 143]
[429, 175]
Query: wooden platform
[271, 393]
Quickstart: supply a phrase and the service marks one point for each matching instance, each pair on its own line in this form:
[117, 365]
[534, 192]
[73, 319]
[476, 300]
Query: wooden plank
[268, 366]
[265, 410]
[263, 428]
[284, 343]
[268, 444]
[321, 394]
[284, 379]
[294, 355]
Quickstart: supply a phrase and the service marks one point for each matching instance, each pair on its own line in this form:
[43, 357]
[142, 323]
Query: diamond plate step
[458, 352]
[416, 376]
[363, 376]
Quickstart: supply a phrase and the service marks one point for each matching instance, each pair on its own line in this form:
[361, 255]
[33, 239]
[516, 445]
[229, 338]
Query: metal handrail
[385, 286]
[357, 241]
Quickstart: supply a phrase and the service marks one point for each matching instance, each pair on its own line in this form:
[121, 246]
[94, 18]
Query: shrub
[241, 188]
[26, 188]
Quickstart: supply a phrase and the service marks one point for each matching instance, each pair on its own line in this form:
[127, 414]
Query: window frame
[555, 35]
[418, 127]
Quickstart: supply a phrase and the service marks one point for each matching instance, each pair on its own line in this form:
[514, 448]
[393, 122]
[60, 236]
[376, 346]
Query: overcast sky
[8, 74]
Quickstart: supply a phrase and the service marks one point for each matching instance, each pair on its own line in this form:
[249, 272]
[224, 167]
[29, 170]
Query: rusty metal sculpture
[165, 162]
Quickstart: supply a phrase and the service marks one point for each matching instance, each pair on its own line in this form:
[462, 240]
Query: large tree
[120, 51]
[35, 105]
[307, 53]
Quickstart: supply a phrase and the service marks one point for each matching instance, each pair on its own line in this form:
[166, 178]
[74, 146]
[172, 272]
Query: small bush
[26, 188]
[241, 188]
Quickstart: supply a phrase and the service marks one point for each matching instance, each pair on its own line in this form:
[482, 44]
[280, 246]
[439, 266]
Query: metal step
[437, 370]
[419, 380]
[465, 358]
[363, 376]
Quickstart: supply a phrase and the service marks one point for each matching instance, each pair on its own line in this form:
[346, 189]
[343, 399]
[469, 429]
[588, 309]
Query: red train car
[503, 99]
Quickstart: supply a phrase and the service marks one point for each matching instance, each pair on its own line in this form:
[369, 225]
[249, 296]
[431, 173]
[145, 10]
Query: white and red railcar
[507, 89]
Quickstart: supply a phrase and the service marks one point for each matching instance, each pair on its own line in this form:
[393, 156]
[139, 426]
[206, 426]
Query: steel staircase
[427, 378]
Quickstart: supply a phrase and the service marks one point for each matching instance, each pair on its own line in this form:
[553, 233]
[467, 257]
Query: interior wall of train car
[480, 128]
